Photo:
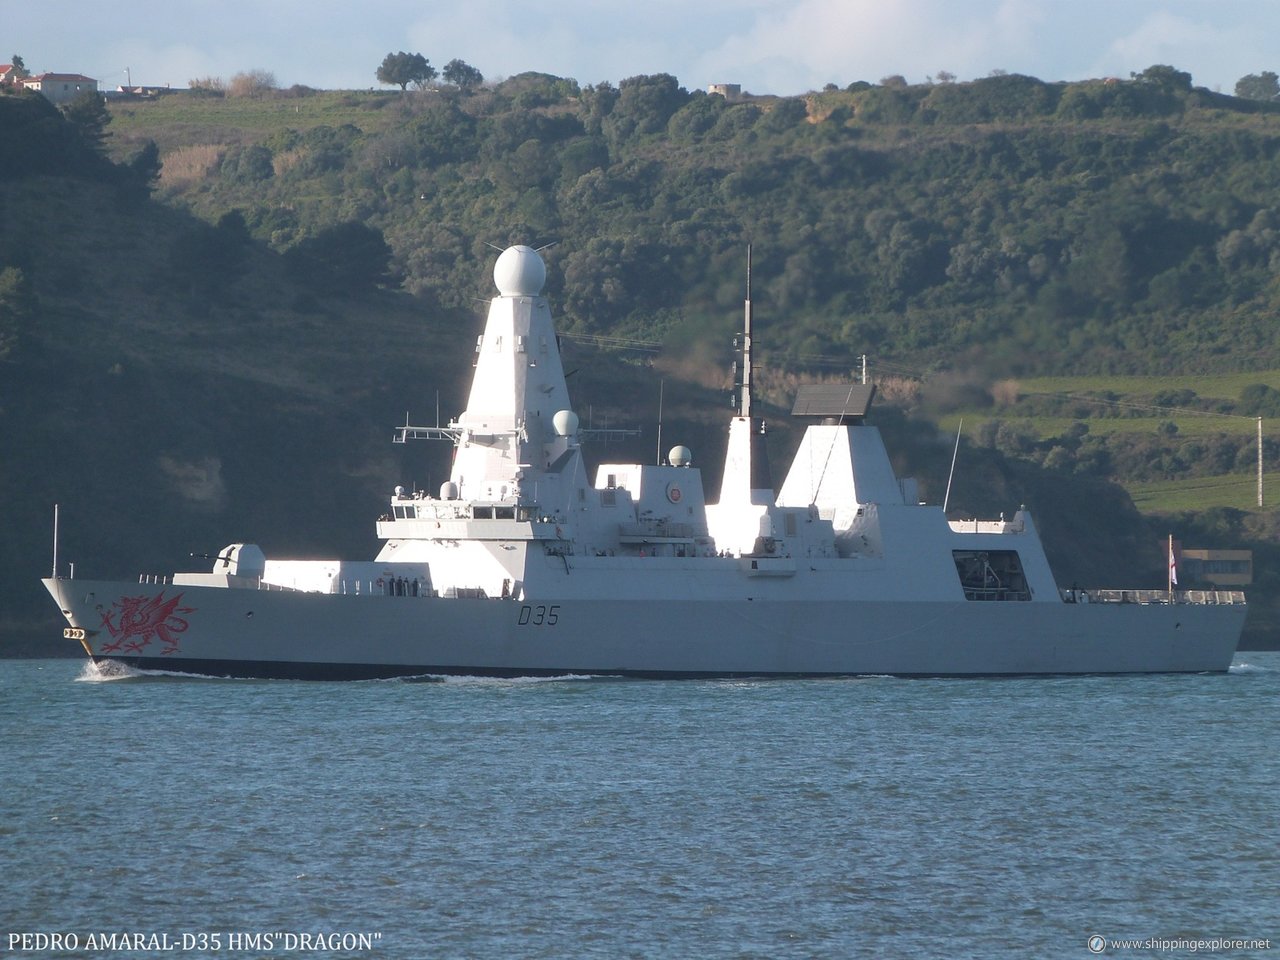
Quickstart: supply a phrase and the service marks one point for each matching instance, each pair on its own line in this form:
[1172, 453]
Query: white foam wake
[1244, 666]
[106, 671]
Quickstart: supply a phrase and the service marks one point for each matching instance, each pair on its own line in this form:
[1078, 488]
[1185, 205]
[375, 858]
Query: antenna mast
[745, 404]
[661, 385]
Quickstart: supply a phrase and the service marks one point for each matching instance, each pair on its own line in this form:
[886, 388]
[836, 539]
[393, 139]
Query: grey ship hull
[296, 635]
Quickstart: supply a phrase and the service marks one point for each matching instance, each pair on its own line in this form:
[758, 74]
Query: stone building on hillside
[729, 91]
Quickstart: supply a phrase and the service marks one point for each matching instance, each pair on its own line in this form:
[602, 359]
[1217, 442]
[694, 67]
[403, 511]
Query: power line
[1129, 404]
[618, 343]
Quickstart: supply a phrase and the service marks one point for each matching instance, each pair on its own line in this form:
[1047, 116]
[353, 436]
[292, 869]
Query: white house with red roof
[60, 87]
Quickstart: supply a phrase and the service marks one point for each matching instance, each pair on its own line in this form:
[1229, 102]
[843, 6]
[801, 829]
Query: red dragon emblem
[134, 622]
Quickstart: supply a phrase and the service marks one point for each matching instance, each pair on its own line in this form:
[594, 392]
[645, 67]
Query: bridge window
[991, 575]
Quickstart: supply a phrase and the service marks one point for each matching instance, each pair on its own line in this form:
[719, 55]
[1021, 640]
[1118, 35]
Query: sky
[783, 47]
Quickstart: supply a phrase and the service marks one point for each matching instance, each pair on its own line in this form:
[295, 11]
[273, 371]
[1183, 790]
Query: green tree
[1164, 76]
[137, 176]
[786, 114]
[442, 134]
[89, 115]
[251, 164]
[1259, 400]
[145, 165]
[341, 259]
[645, 105]
[18, 306]
[1259, 86]
[462, 75]
[406, 68]
[696, 117]
[19, 68]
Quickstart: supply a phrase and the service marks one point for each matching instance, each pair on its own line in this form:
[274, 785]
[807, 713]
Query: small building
[727, 90]
[1222, 568]
[137, 92]
[7, 74]
[60, 87]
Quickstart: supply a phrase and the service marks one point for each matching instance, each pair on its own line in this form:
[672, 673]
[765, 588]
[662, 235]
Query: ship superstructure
[523, 563]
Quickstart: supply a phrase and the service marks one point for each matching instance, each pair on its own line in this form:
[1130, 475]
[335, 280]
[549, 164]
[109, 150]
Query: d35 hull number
[539, 615]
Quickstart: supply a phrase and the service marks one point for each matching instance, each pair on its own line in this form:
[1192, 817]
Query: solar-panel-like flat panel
[851, 400]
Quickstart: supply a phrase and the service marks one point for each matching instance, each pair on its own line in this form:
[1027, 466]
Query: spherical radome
[680, 456]
[448, 490]
[565, 423]
[520, 272]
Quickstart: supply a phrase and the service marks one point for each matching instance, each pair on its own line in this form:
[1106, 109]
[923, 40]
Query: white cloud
[793, 46]
[1215, 54]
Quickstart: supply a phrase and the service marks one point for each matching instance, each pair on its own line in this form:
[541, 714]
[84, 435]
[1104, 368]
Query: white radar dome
[448, 490]
[680, 456]
[565, 423]
[520, 272]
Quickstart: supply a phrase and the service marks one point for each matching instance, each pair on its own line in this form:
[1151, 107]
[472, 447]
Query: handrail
[1197, 597]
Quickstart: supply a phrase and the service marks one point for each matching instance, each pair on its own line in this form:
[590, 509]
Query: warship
[522, 564]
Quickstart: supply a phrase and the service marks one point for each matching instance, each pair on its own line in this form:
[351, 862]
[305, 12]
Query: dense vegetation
[1007, 223]
[204, 290]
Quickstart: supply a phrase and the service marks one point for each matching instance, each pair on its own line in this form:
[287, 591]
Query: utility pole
[1259, 461]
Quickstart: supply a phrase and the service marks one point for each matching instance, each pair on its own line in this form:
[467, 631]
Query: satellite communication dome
[448, 490]
[399, 490]
[520, 272]
[680, 456]
[565, 423]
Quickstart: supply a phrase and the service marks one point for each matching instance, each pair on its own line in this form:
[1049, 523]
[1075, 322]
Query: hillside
[1005, 225]
[220, 353]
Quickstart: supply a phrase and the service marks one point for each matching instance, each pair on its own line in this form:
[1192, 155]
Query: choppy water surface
[598, 818]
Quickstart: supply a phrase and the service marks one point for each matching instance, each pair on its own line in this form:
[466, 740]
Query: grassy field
[1188, 424]
[1215, 386]
[181, 119]
[1237, 490]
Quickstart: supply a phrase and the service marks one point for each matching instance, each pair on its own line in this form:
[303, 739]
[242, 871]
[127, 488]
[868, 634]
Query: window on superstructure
[991, 575]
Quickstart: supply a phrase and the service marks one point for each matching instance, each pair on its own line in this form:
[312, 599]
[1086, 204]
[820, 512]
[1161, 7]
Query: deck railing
[1155, 596]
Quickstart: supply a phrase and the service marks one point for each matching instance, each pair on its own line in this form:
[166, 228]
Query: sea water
[576, 817]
